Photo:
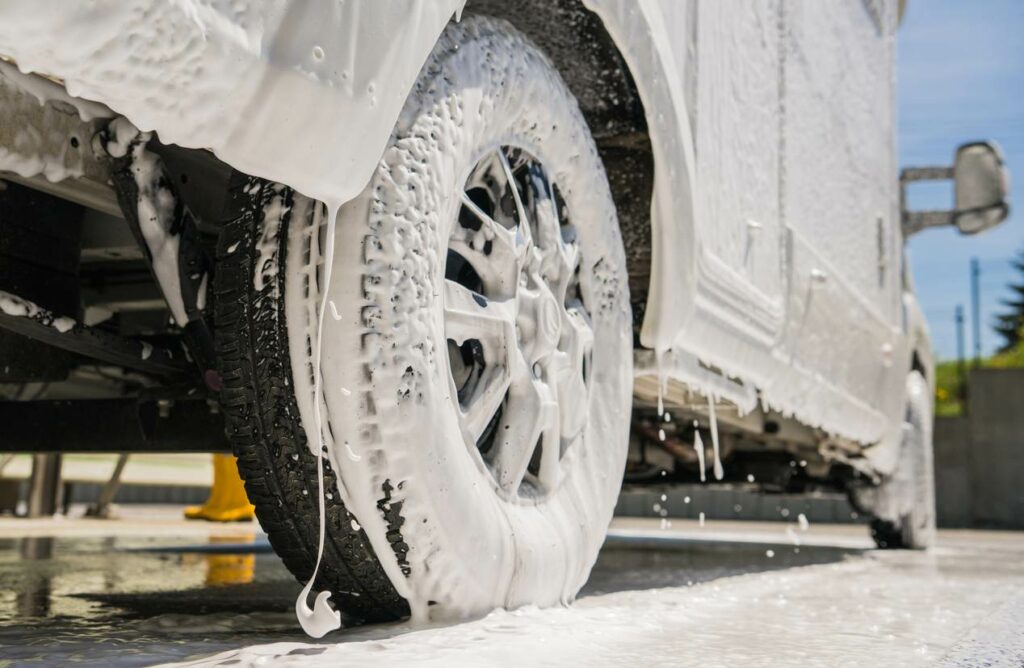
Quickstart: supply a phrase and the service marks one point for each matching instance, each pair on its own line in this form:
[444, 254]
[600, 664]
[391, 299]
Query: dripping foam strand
[321, 619]
[719, 473]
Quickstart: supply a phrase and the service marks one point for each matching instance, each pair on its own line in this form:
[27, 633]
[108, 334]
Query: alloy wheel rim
[520, 336]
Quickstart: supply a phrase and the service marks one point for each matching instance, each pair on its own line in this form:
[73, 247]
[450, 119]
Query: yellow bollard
[227, 501]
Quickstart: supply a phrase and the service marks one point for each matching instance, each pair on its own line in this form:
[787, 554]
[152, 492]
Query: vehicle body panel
[775, 211]
[783, 265]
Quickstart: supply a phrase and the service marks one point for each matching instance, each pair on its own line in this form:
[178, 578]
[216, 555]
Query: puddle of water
[127, 601]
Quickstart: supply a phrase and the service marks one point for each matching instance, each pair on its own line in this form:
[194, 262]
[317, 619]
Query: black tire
[903, 505]
[887, 535]
[263, 425]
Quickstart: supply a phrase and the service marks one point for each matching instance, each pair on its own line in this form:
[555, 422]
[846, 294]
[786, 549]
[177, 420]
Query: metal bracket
[167, 231]
[915, 221]
[30, 320]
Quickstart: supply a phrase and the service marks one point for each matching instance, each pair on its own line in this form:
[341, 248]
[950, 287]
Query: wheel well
[917, 365]
[578, 45]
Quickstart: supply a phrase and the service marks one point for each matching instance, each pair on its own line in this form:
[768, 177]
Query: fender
[273, 88]
[639, 31]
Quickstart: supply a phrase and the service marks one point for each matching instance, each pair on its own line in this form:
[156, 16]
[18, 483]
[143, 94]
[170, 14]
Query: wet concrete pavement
[152, 588]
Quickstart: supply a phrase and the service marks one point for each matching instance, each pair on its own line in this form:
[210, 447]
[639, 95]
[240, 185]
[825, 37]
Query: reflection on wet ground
[136, 599]
[632, 568]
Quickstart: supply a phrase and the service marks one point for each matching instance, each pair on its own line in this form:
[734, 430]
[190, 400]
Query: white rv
[447, 270]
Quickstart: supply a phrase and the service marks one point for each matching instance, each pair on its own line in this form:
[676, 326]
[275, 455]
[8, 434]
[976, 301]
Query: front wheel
[476, 350]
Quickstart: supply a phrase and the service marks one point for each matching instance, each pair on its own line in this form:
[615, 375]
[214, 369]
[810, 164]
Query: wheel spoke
[568, 364]
[510, 181]
[469, 316]
[490, 177]
[560, 254]
[530, 418]
[483, 405]
[494, 251]
[544, 212]
[550, 462]
[567, 260]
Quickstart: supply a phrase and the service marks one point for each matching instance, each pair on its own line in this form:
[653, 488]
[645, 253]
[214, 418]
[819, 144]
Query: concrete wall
[952, 440]
[986, 474]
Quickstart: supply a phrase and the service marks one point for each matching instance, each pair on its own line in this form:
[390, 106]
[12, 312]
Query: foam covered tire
[476, 351]
[904, 504]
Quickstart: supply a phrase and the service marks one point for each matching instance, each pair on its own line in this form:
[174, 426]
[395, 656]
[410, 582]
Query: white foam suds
[322, 618]
[698, 446]
[662, 381]
[719, 473]
[23, 308]
[239, 77]
[155, 210]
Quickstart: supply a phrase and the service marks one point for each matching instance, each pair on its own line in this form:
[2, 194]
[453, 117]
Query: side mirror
[981, 186]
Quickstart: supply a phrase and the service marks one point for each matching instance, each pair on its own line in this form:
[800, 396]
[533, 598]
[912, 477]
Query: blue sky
[961, 77]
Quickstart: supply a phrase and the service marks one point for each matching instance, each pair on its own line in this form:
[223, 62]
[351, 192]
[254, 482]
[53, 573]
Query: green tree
[1010, 324]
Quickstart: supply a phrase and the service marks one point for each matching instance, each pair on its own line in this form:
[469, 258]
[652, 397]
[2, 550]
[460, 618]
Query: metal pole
[976, 309]
[102, 506]
[961, 363]
[44, 485]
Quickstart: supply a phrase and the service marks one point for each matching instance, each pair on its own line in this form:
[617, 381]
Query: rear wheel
[476, 353]
[904, 504]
